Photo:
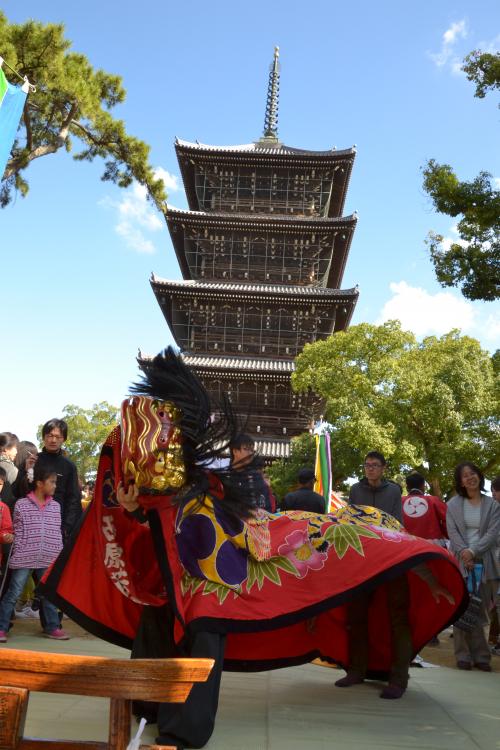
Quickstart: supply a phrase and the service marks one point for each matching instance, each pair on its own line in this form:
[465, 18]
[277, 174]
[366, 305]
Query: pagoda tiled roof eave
[255, 149]
[178, 215]
[272, 448]
[247, 365]
[274, 366]
[264, 290]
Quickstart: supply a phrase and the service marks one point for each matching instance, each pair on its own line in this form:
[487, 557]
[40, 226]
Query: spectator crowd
[40, 505]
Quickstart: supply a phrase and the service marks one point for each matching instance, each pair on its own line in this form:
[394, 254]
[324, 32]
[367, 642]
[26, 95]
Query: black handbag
[470, 618]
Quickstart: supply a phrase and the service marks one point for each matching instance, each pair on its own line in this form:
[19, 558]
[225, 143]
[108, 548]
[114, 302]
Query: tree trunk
[435, 486]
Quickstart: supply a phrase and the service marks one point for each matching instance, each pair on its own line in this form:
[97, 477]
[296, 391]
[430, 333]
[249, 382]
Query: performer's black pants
[188, 724]
[192, 722]
[398, 602]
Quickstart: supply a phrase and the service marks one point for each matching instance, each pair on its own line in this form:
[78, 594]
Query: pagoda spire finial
[273, 89]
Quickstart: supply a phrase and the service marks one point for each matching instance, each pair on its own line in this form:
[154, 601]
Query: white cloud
[446, 55]
[492, 47]
[456, 29]
[137, 217]
[492, 327]
[427, 314]
[436, 314]
[496, 182]
[456, 66]
[171, 181]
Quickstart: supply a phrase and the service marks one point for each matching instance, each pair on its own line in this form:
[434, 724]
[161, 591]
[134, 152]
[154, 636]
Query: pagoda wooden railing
[120, 680]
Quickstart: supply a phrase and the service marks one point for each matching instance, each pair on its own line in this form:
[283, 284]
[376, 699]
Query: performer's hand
[439, 591]
[7, 538]
[128, 499]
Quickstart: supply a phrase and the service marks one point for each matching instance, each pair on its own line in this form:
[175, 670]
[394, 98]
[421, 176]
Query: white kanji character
[119, 574]
[112, 556]
[108, 528]
[122, 586]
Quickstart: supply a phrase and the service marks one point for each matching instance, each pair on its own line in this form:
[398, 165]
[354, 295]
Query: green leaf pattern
[345, 534]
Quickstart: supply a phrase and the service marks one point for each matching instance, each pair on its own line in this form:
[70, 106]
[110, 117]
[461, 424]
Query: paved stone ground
[443, 709]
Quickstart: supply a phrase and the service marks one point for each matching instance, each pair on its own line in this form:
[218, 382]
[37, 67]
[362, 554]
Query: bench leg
[120, 712]
[13, 706]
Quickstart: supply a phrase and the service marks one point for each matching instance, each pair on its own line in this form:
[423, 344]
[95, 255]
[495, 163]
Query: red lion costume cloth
[275, 585]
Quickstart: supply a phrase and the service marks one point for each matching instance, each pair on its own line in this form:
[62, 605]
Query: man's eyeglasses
[372, 466]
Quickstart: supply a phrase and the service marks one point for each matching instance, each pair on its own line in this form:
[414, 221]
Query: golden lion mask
[152, 444]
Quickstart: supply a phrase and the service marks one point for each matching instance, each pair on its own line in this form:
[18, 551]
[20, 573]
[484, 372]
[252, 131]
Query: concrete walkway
[288, 709]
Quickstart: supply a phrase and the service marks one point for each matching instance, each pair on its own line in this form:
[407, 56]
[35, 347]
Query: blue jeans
[18, 578]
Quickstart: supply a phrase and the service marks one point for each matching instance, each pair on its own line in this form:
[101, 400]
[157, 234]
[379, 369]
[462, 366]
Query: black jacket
[254, 482]
[68, 493]
[387, 496]
[304, 499]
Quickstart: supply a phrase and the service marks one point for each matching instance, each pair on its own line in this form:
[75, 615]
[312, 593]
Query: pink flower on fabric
[299, 550]
[388, 534]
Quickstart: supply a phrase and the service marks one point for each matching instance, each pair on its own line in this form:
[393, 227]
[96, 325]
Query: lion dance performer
[174, 559]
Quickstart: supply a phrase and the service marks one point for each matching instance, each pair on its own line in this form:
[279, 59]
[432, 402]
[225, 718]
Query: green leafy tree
[483, 69]
[87, 431]
[473, 261]
[71, 106]
[425, 405]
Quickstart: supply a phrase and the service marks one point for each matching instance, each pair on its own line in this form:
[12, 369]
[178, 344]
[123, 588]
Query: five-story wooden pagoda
[262, 250]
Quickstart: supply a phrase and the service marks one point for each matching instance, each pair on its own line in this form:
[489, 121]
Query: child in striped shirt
[37, 543]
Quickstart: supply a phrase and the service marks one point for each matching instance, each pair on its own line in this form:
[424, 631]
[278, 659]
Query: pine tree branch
[28, 155]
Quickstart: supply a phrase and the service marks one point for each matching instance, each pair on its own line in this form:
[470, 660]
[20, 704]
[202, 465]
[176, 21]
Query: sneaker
[3, 636]
[27, 613]
[58, 634]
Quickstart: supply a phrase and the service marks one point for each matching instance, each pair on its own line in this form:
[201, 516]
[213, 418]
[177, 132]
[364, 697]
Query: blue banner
[11, 110]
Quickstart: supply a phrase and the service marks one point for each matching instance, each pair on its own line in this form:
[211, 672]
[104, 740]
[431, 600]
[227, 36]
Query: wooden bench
[120, 680]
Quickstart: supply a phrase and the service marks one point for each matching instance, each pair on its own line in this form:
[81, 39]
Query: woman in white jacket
[473, 523]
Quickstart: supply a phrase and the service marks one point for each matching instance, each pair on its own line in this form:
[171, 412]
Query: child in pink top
[37, 543]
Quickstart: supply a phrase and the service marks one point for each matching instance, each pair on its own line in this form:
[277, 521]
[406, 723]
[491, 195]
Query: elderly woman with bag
[473, 522]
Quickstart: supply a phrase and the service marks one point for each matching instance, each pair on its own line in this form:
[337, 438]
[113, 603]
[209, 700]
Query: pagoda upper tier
[254, 320]
[261, 248]
[265, 177]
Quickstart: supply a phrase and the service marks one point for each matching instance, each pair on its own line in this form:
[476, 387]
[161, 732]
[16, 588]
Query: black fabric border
[90, 625]
[266, 665]
[156, 528]
[220, 625]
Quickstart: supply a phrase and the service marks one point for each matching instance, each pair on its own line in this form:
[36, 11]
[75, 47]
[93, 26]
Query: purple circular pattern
[196, 541]
[231, 564]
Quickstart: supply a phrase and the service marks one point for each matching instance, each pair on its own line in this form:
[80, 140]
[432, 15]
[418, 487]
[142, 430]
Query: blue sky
[77, 253]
